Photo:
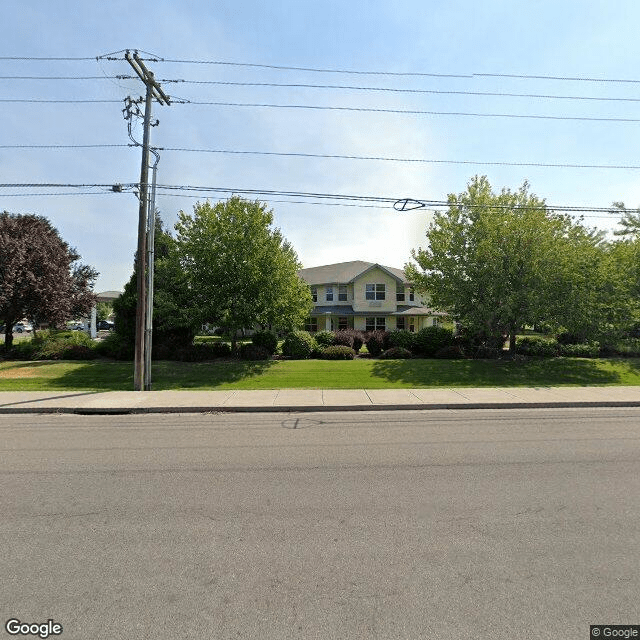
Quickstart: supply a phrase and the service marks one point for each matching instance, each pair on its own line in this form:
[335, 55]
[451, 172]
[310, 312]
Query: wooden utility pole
[154, 90]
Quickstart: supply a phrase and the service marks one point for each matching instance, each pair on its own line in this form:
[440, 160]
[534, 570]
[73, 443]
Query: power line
[473, 74]
[313, 69]
[399, 73]
[564, 78]
[339, 108]
[359, 198]
[61, 185]
[404, 111]
[44, 58]
[57, 193]
[66, 77]
[329, 204]
[299, 154]
[397, 90]
[404, 160]
[167, 189]
[63, 146]
[74, 101]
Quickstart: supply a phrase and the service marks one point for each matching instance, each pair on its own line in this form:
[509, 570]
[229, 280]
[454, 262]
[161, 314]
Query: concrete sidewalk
[115, 402]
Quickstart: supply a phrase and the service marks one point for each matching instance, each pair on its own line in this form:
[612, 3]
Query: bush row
[551, 347]
[431, 342]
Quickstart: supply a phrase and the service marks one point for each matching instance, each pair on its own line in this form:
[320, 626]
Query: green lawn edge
[321, 374]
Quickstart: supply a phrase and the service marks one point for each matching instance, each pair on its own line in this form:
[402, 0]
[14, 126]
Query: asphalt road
[517, 524]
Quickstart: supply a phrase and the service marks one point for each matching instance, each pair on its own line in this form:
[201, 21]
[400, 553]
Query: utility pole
[151, 233]
[154, 90]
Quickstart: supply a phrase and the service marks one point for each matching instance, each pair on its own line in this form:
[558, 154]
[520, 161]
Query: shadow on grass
[118, 376]
[488, 373]
[194, 375]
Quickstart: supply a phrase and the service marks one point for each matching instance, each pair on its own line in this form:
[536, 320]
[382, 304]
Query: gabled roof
[345, 272]
[108, 296]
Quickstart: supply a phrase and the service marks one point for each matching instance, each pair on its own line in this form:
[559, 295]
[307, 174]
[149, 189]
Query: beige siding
[374, 276]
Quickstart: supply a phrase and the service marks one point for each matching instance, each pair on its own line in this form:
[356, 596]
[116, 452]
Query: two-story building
[365, 295]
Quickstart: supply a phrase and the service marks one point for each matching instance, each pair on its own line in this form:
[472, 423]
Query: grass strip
[320, 374]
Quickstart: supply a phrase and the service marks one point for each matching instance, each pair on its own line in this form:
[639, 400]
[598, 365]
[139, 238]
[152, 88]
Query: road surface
[516, 524]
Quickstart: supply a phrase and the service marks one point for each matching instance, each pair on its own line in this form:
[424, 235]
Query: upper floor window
[374, 292]
[314, 293]
[412, 295]
[342, 293]
[399, 293]
[329, 294]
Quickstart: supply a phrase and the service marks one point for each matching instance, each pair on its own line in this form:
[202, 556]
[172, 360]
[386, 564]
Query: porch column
[327, 321]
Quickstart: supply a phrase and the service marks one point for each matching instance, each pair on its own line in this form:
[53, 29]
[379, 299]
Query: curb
[317, 408]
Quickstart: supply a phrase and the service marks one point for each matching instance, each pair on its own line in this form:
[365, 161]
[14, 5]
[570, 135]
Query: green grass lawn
[317, 374]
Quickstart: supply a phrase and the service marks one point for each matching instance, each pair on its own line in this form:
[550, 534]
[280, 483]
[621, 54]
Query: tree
[175, 319]
[40, 276]
[103, 310]
[630, 221]
[241, 271]
[498, 262]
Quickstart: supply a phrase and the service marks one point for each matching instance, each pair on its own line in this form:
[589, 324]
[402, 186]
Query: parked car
[105, 325]
[22, 327]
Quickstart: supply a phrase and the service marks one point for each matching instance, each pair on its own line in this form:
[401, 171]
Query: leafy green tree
[241, 271]
[175, 320]
[40, 276]
[594, 287]
[630, 221]
[499, 261]
[103, 310]
[489, 259]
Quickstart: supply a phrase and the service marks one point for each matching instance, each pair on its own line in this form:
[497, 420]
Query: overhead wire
[471, 74]
[396, 90]
[356, 200]
[66, 77]
[62, 101]
[300, 154]
[403, 111]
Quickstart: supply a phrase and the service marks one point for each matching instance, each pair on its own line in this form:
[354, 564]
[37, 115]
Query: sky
[577, 105]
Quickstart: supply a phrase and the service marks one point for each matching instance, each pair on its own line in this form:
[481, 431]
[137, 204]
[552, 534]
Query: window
[314, 293]
[374, 292]
[342, 293]
[399, 293]
[400, 323]
[375, 324]
[412, 325]
[342, 323]
[329, 294]
[411, 294]
[311, 325]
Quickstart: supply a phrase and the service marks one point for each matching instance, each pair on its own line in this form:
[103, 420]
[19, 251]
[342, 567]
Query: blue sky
[568, 39]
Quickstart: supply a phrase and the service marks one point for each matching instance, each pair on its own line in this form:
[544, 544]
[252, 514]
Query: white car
[22, 327]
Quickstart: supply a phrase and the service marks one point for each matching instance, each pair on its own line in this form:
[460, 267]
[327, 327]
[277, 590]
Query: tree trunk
[8, 336]
[512, 343]
[234, 333]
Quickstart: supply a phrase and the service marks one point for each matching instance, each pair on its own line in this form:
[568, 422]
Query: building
[367, 296]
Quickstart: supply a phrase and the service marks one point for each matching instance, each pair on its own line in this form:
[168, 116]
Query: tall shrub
[430, 340]
[298, 344]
